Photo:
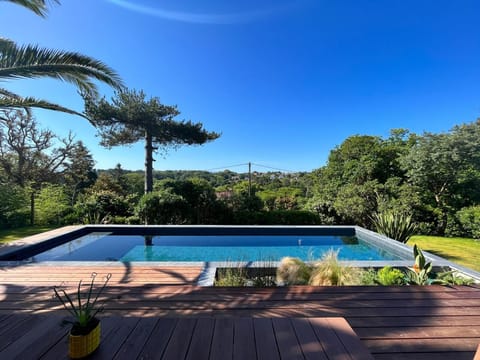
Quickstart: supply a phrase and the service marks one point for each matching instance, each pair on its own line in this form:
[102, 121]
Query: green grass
[462, 251]
[14, 234]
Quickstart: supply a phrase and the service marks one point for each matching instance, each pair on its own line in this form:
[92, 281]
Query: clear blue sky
[284, 81]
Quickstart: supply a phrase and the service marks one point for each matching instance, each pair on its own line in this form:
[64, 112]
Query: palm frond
[14, 101]
[39, 7]
[31, 61]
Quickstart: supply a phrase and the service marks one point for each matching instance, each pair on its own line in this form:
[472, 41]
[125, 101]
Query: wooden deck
[188, 338]
[418, 323]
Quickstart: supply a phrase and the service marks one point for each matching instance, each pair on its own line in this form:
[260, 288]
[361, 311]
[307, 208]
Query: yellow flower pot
[80, 346]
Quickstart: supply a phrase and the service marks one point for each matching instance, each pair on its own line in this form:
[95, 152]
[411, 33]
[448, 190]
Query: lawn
[14, 234]
[462, 251]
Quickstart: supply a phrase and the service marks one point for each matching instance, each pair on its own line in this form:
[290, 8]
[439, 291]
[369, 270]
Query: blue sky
[284, 81]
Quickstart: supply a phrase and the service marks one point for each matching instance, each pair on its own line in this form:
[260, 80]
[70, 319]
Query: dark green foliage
[52, 205]
[14, 206]
[451, 278]
[469, 221]
[276, 218]
[162, 207]
[395, 225]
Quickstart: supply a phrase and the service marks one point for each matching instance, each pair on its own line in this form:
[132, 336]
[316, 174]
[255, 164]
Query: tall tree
[130, 118]
[79, 172]
[31, 61]
[27, 154]
[446, 169]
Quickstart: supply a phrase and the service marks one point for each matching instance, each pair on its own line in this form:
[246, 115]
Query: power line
[247, 164]
[226, 167]
[273, 168]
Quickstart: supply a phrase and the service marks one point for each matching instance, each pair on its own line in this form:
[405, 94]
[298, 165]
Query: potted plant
[85, 332]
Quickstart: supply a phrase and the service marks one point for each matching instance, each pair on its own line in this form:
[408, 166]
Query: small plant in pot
[85, 332]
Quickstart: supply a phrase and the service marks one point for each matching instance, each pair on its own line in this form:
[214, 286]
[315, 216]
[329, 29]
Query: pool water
[127, 248]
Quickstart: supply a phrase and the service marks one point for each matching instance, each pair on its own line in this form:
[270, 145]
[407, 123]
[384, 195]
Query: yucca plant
[84, 308]
[394, 224]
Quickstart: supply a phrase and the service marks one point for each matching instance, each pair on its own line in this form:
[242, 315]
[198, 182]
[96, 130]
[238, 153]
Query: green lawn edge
[463, 251]
[8, 235]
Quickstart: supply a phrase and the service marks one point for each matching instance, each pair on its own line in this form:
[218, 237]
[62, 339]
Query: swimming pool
[209, 244]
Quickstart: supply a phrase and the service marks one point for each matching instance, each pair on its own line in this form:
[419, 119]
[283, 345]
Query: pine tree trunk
[148, 162]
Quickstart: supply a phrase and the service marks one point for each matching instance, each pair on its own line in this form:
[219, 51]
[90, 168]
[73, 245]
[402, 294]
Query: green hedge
[276, 217]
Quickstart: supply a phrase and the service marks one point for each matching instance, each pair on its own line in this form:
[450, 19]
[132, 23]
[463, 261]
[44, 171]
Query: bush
[277, 217]
[162, 207]
[51, 205]
[469, 220]
[387, 276]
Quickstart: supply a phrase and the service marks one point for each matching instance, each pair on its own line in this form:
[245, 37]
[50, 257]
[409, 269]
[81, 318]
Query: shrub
[276, 217]
[162, 207]
[51, 205]
[469, 219]
[369, 277]
[293, 271]
[389, 276]
[394, 224]
[231, 277]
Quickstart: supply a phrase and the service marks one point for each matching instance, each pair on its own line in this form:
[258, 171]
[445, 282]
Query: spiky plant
[395, 225]
[84, 308]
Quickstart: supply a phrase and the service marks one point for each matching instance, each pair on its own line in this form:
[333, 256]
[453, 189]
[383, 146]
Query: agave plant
[85, 307]
[395, 225]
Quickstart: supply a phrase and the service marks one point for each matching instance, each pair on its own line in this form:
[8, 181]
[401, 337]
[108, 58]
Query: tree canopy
[130, 118]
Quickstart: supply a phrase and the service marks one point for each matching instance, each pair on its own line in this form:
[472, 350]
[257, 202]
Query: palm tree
[39, 7]
[31, 61]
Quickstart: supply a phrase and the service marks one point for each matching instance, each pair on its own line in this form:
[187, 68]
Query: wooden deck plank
[132, 347]
[332, 345]
[222, 340]
[115, 338]
[37, 338]
[349, 339]
[287, 342]
[157, 342]
[201, 340]
[312, 349]
[244, 339]
[265, 342]
[177, 348]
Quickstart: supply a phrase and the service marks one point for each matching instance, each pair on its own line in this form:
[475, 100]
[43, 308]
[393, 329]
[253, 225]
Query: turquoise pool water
[127, 248]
